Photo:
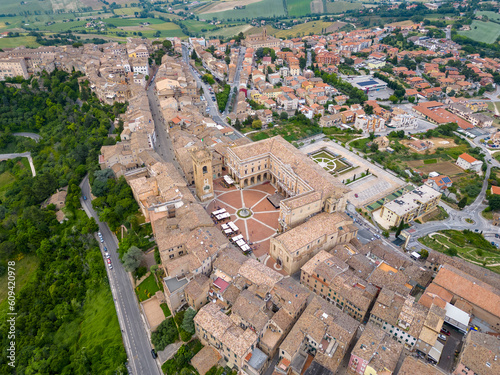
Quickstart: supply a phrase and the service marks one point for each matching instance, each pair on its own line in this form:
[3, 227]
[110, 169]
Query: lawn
[123, 22]
[147, 288]
[298, 8]
[270, 7]
[486, 32]
[165, 309]
[490, 15]
[470, 246]
[25, 268]
[27, 41]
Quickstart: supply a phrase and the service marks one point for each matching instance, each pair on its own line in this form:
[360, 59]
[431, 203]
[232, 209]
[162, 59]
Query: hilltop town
[319, 205]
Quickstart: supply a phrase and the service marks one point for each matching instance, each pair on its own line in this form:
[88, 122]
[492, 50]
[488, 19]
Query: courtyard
[258, 223]
[332, 163]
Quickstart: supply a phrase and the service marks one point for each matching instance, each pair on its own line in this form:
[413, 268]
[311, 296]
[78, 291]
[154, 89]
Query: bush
[140, 272]
[165, 334]
[157, 256]
[452, 252]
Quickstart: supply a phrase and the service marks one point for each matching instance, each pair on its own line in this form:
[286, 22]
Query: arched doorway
[259, 179]
[252, 180]
[245, 182]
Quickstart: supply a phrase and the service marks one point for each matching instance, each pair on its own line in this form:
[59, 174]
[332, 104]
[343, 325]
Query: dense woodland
[66, 322]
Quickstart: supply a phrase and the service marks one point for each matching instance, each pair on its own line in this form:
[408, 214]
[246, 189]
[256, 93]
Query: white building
[467, 162]
[370, 123]
[403, 121]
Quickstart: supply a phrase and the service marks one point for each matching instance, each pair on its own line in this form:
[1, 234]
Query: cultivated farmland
[270, 7]
[486, 32]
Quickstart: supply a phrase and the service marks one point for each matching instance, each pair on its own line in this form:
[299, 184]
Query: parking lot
[368, 189]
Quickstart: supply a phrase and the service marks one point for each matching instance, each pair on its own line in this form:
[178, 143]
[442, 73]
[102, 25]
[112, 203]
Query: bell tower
[202, 171]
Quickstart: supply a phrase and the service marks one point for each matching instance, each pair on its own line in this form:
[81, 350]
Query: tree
[462, 203]
[494, 202]
[411, 99]
[132, 259]
[374, 147]
[187, 322]
[394, 99]
[284, 115]
[400, 228]
[165, 334]
[257, 124]
[452, 251]
[424, 254]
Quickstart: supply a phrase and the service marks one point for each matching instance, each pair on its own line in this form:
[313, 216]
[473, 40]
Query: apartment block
[410, 206]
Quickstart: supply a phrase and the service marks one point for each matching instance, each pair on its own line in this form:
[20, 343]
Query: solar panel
[367, 83]
[446, 180]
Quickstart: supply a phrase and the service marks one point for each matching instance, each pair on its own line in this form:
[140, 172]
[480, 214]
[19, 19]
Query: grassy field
[228, 32]
[469, 245]
[121, 22]
[314, 27]
[127, 11]
[165, 309]
[197, 26]
[486, 32]
[25, 268]
[490, 15]
[97, 332]
[271, 7]
[298, 8]
[341, 6]
[28, 41]
[15, 6]
[147, 288]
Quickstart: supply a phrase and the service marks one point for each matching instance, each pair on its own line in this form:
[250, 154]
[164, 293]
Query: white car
[442, 337]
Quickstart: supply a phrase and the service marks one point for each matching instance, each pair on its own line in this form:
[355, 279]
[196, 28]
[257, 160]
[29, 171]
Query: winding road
[23, 155]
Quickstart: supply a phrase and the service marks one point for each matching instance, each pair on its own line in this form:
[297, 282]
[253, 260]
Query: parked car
[84, 197]
[110, 266]
[442, 337]
[109, 261]
[105, 249]
[445, 332]
[153, 353]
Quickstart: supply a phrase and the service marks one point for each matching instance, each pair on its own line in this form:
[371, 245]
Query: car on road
[442, 337]
[153, 353]
[105, 249]
[84, 197]
[109, 261]
[372, 239]
[102, 241]
[444, 331]
[496, 235]
[107, 256]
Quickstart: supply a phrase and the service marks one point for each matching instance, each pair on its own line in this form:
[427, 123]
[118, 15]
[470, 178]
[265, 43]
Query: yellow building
[409, 206]
[295, 247]
[304, 188]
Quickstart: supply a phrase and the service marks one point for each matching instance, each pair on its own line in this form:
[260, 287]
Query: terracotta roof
[467, 158]
[469, 288]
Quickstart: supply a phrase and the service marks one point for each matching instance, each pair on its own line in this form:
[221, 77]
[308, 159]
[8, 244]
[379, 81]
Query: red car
[445, 331]
[109, 261]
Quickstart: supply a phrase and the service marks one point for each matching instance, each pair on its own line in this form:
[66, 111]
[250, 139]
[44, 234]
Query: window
[205, 169]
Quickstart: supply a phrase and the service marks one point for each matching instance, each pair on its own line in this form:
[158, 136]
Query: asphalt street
[134, 332]
[211, 104]
[457, 219]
